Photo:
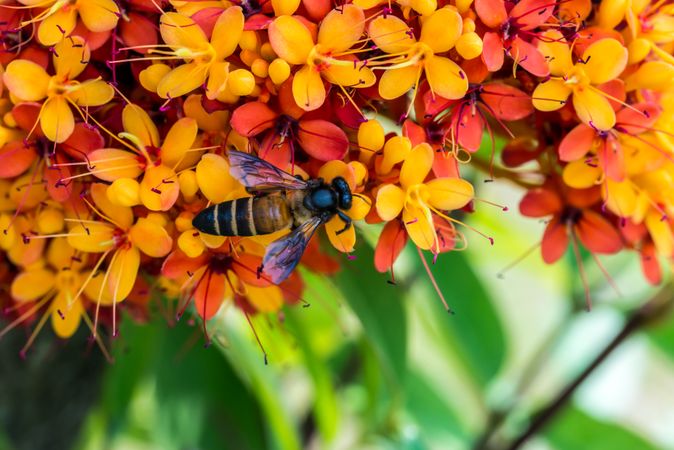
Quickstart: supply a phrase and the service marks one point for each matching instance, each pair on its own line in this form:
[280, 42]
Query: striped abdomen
[245, 216]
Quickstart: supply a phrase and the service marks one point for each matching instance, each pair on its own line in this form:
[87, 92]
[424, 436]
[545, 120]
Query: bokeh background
[371, 365]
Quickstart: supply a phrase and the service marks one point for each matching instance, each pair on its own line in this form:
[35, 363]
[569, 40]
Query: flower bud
[249, 41]
[267, 52]
[190, 243]
[241, 82]
[279, 71]
[469, 45]
[260, 68]
[188, 184]
[184, 221]
[50, 220]
[638, 49]
[149, 78]
[370, 139]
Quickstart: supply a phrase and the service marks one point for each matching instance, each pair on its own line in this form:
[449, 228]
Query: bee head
[343, 191]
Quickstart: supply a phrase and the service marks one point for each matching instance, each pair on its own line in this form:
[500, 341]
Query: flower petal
[182, 80]
[581, 175]
[449, 193]
[593, 109]
[446, 78]
[322, 140]
[556, 52]
[210, 294]
[529, 57]
[122, 273]
[555, 241]
[57, 121]
[341, 28]
[391, 243]
[57, 26]
[506, 102]
[159, 189]
[308, 89]
[442, 29]
[93, 93]
[178, 30]
[122, 216]
[604, 60]
[540, 203]
[491, 12]
[109, 164]
[576, 143]
[99, 15]
[30, 285]
[290, 39]
[345, 240]
[597, 234]
[178, 140]
[92, 237]
[66, 315]
[250, 119]
[417, 166]
[137, 122]
[390, 34]
[550, 95]
[390, 200]
[151, 238]
[26, 80]
[419, 224]
[227, 32]
[214, 179]
[492, 51]
[71, 57]
[395, 83]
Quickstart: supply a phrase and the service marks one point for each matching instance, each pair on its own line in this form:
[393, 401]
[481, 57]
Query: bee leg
[347, 221]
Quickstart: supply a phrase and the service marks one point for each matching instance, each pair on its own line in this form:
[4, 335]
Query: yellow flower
[410, 58]
[204, 61]
[423, 7]
[417, 199]
[602, 61]
[59, 17]
[29, 82]
[329, 57]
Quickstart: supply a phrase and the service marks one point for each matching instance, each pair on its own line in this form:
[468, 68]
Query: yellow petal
[446, 78]
[182, 80]
[419, 226]
[99, 15]
[65, 316]
[390, 34]
[417, 166]
[71, 57]
[32, 284]
[656, 75]
[57, 121]
[151, 238]
[442, 29]
[137, 122]
[110, 164]
[214, 179]
[449, 193]
[290, 39]
[396, 150]
[121, 216]
[395, 83]
[620, 197]
[217, 80]
[123, 272]
[178, 30]
[555, 49]
[93, 93]
[215, 121]
[611, 13]
[581, 175]
[551, 95]
[593, 109]
[360, 207]
[425, 7]
[350, 75]
[57, 26]
[227, 32]
[605, 60]
[60, 254]
[159, 188]
[285, 7]
[92, 237]
[308, 89]
[341, 28]
[345, 240]
[265, 299]
[661, 233]
[179, 139]
[151, 76]
[390, 200]
[26, 80]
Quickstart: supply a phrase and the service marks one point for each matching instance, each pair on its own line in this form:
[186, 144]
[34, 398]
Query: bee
[280, 201]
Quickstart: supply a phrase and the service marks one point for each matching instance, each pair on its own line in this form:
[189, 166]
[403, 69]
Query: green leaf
[475, 331]
[379, 307]
[662, 334]
[575, 430]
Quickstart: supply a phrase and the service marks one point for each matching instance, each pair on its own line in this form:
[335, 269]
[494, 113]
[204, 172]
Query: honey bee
[279, 201]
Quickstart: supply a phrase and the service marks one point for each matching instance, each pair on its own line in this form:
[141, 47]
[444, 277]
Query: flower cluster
[118, 118]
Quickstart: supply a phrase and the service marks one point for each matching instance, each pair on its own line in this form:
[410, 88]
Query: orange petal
[210, 294]
[93, 93]
[57, 26]
[417, 166]
[227, 32]
[593, 109]
[137, 122]
[110, 164]
[395, 83]
[576, 143]
[66, 315]
[151, 238]
[178, 140]
[26, 80]
[159, 189]
[390, 34]
[491, 12]
[214, 179]
[604, 60]
[597, 234]
[442, 29]
[122, 216]
[345, 240]
[322, 140]
[99, 15]
[182, 80]
[31, 285]
[71, 57]
[449, 193]
[550, 95]
[555, 241]
[390, 201]
[57, 121]
[92, 237]
[446, 78]
[122, 273]
[308, 89]
[178, 30]
[290, 39]
[340, 29]
[419, 225]
[389, 246]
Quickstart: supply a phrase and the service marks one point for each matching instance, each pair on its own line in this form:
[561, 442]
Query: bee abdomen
[248, 216]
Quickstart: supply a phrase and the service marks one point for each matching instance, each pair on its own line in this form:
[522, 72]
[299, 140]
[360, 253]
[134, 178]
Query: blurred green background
[370, 365]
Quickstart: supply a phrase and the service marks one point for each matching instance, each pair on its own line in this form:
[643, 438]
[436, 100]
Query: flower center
[577, 76]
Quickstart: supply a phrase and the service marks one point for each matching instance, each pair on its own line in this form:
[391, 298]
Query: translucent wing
[283, 254]
[259, 175]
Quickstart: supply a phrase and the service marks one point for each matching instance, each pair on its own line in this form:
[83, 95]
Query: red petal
[16, 158]
[83, 141]
[26, 116]
[414, 132]
[257, 22]
[446, 233]
[250, 119]
[178, 265]
[476, 70]
[491, 12]
[638, 118]
[519, 151]
[286, 100]
[506, 102]
[612, 158]
[206, 19]
[531, 13]
[650, 264]
[445, 165]
[272, 151]
[467, 129]
[583, 198]
[576, 143]
[614, 89]
[597, 234]
[58, 190]
[389, 246]
[317, 9]
[555, 241]
[246, 268]
[540, 203]
[529, 57]
[492, 51]
[318, 261]
[210, 294]
[138, 30]
[322, 140]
